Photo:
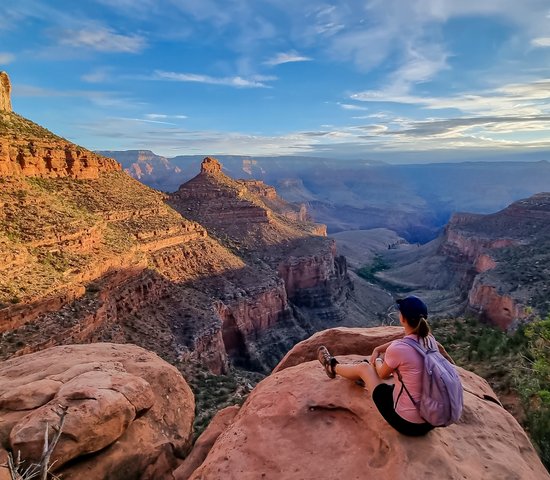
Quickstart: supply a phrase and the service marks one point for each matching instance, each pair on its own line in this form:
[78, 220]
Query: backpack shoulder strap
[416, 345]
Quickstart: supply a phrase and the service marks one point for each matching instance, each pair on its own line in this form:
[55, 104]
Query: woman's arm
[378, 350]
[382, 369]
[444, 353]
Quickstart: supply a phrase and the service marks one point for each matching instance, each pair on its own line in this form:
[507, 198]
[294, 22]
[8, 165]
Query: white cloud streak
[255, 81]
[349, 106]
[103, 39]
[157, 116]
[531, 98]
[289, 57]
[541, 42]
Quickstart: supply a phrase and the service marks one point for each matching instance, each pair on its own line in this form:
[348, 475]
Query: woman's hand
[378, 351]
[375, 354]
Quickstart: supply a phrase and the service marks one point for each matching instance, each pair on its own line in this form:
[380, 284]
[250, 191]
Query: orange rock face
[52, 160]
[299, 424]
[211, 165]
[5, 92]
[117, 396]
[501, 310]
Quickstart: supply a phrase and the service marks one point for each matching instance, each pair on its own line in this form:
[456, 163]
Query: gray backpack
[441, 401]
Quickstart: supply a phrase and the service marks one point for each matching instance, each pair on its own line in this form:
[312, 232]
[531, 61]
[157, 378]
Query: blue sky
[391, 79]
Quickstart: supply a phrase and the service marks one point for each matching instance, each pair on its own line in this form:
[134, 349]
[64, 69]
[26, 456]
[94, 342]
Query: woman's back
[401, 356]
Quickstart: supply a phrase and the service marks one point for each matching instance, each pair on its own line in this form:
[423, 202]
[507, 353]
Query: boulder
[124, 404]
[299, 424]
[204, 443]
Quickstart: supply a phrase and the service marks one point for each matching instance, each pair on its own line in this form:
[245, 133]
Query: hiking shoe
[327, 360]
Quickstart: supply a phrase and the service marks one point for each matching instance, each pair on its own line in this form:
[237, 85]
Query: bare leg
[355, 371]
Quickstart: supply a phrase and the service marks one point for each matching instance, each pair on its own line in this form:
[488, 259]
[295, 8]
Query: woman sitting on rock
[397, 356]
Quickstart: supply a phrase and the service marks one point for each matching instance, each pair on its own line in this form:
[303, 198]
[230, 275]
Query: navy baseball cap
[412, 308]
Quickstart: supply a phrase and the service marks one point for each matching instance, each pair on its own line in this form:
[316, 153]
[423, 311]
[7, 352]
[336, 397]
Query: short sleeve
[393, 356]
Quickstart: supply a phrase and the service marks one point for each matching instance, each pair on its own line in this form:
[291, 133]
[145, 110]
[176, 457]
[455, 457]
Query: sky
[387, 79]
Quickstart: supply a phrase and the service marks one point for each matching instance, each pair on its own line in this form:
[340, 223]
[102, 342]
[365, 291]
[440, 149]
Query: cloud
[254, 81]
[348, 106]
[103, 39]
[99, 98]
[289, 57]
[100, 75]
[541, 42]
[157, 116]
[6, 58]
[127, 133]
[530, 98]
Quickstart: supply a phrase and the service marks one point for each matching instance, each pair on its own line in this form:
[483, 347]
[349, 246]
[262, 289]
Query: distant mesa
[5, 92]
[211, 166]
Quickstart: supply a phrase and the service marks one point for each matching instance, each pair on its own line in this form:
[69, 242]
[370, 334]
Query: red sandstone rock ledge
[299, 424]
[126, 405]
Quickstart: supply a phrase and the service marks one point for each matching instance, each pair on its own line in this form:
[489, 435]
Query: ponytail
[423, 329]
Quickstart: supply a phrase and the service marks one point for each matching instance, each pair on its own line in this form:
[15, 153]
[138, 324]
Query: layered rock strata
[508, 251]
[92, 255]
[27, 149]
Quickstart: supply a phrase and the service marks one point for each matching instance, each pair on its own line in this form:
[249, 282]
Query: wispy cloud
[157, 116]
[128, 133]
[145, 120]
[530, 98]
[289, 57]
[105, 99]
[6, 58]
[254, 81]
[102, 39]
[349, 106]
[100, 75]
[541, 42]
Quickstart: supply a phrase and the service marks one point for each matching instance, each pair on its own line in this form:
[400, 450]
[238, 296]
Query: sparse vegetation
[214, 392]
[517, 364]
[369, 272]
[379, 264]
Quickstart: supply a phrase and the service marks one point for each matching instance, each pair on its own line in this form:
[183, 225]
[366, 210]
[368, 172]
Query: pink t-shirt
[410, 363]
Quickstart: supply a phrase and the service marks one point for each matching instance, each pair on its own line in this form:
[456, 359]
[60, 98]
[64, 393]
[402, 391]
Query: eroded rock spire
[5, 92]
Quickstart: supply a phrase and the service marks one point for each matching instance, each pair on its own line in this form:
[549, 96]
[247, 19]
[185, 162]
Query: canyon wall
[490, 305]
[508, 253]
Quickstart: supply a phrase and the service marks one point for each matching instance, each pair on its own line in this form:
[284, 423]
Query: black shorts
[382, 396]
